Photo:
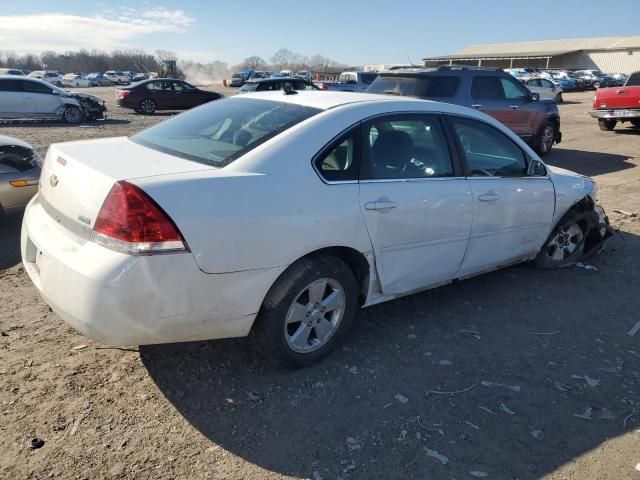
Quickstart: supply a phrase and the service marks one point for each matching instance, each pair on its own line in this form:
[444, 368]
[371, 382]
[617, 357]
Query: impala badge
[53, 180]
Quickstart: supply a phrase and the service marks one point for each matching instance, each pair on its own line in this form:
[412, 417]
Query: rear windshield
[424, 86]
[220, 132]
[634, 80]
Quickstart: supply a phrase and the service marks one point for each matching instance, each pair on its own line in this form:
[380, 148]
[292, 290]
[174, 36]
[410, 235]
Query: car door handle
[514, 107]
[489, 197]
[476, 105]
[380, 205]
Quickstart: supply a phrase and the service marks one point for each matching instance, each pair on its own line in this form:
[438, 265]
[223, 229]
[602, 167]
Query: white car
[279, 215]
[545, 88]
[24, 98]
[117, 77]
[54, 78]
[75, 80]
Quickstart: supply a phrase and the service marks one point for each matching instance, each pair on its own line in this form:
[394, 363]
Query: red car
[163, 94]
[618, 104]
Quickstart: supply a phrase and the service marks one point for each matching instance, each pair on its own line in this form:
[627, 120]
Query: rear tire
[147, 107]
[607, 125]
[72, 115]
[545, 139]
[307, 312]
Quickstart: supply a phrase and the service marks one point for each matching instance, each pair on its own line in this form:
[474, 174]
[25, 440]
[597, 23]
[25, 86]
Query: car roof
[325, 100]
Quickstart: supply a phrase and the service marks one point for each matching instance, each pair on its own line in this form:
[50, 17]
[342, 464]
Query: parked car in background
[286, 73]
[162, 94]
[545, 88]
[19, 174]
[54, 78]
[595, 78]
[267, 84]
[305, 75]
[138, 77]
[24, 98]
[11, 71]
[279, 216]
[117, 77]
[490, 90]
[618, 104]
[98, 80]
[620, 78]
[351, 82]
[567, 83]
[75, 80]
[237, 80]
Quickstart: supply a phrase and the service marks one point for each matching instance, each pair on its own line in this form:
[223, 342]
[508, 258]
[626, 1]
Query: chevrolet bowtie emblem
[53, 180]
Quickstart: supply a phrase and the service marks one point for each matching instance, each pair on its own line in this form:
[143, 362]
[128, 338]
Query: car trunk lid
[617, 97]
[77, 176]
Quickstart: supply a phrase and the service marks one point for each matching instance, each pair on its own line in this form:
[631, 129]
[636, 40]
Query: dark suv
[490, 90]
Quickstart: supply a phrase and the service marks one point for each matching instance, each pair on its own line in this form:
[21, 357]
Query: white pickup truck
[351, 82]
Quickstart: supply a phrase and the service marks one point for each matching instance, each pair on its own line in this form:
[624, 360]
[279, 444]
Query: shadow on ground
[10, 241]
[541, 336]
[588, 163]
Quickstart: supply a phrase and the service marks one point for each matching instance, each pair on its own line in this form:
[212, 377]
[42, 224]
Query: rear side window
[10, 86]
[634, 80]
[406, 147]
[489, 152]
[339, 162]
[218, 133]
[368, 78]
[424, 86]
[159, 86]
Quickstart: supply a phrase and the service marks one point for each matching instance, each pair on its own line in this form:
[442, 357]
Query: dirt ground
[547, 379]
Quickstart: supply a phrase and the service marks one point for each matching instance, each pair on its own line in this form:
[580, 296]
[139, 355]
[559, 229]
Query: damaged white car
[278, 215]
[23, 98]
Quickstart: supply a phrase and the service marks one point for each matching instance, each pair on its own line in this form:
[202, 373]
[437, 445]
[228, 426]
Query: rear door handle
[476, 105]
[514, 107]
[380, 205]
[489, 197]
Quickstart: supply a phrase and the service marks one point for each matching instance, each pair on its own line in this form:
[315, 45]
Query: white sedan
[74, 80]
[545, 88]
[277, 215]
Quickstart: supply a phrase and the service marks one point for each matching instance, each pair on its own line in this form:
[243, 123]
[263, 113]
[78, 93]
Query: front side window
[489, 152]
[339, 161]
[35, 87]
[218, 133]
[183, 87]
[406, 147]
[485, 87]
[159, 86]
[546, 83]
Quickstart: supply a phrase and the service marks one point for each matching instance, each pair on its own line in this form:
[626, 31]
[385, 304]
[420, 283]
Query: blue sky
[354, 32]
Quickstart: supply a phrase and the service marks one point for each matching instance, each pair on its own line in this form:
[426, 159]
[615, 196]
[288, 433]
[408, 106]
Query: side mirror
[534, 97]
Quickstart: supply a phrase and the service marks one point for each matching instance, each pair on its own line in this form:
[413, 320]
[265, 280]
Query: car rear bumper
[616, 113]
[121, 299]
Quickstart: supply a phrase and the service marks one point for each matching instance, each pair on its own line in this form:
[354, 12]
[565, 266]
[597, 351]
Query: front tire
[147, 107]
[72, 115]
[596, 85]
[565, 245]
[607, 125]
[307, 312]
[546, 139]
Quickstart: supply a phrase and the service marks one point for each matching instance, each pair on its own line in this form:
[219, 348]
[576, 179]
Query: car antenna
[410, 62]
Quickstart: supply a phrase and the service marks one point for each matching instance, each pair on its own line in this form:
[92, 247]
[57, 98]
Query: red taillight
[122, 93]
[131, 222]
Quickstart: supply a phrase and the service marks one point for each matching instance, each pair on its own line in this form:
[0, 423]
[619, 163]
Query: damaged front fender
[93, 108]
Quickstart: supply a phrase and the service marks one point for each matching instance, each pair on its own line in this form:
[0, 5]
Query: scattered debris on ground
[438, 456]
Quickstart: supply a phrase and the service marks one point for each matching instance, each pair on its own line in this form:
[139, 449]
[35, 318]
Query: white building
[608, 54]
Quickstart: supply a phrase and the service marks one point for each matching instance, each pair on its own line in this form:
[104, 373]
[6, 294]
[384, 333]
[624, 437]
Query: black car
[267, 84]
[163, 94]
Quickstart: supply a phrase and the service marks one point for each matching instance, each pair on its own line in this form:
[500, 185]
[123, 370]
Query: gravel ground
[545, 375]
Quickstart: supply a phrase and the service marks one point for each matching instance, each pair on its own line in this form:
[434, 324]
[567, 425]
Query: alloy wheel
[147, 106]
[315, 315]
[72, 115]
[546, 142]
[565, 243]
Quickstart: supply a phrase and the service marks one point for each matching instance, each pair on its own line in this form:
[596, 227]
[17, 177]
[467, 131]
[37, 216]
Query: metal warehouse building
[608, 54]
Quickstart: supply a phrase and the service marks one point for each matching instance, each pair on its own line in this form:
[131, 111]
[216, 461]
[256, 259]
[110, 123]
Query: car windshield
[440, 86]
[249, 87]
[219, 132]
